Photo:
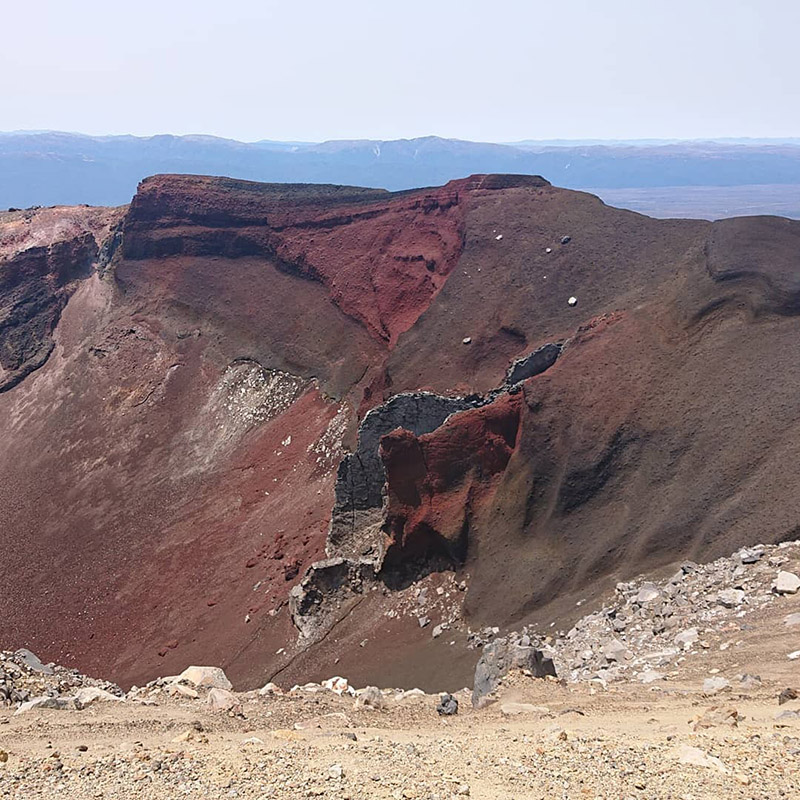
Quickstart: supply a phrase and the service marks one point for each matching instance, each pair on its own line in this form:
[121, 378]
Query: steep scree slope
[182, 388]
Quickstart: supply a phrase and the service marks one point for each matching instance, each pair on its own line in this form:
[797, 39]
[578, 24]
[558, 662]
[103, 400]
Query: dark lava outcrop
[42, 257]
[227, 383]
[357, 517]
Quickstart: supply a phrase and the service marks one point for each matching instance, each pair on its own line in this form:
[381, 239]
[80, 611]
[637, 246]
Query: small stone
[647, 594]
[466, 340]
[716, 716]
[206, 677]
[699, 758]
[81, 748]
[750, 681]
[792, 619]
[715, 684]
[370, 697]
[750, 555]
[650, 675]
[786, 583]
[730, 598]
[615, 650]
[448, 706]
[786, 695]
[3, 756]
[423, 621]
[179, 690]
[335, 772]
[223, 700]
[572, 302]
[338, 685]
[685, 639]
[91, 694]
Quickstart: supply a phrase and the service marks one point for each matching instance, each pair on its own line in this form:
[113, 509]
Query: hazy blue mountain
[49, 168]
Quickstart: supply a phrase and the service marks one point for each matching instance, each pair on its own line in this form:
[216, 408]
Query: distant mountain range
[54, 168]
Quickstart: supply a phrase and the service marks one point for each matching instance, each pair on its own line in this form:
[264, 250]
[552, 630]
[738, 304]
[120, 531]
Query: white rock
[179, 690]
[615, 650]
[338, 685]
[715, 684]
[410, 693]
[792, 619]
[206, 677]
[647, 594]
[91, 694]
[270, 689]
[60, 703]
[223, 700]
[699, 758]
[370, 697]
[793, 656]
[786, 583]
[573, 301]
[730, 598]
[650, 675]
[685, 639]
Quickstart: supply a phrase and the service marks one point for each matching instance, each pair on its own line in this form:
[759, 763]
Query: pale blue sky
[495, 71]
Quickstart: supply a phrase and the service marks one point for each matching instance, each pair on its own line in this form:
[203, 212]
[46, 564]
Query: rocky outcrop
[358, 520]
[499, 658]
[44, 253]
[326, 592]
[533, 364]
[358, 512]
[435, 481]
[34, 286]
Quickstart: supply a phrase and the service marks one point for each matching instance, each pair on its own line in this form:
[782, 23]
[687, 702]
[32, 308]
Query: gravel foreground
[620, 744]
[720, 720]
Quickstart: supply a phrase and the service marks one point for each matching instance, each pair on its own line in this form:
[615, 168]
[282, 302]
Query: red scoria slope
[178, 412]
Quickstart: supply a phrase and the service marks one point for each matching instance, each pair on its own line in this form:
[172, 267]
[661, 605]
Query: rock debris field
[685, 688]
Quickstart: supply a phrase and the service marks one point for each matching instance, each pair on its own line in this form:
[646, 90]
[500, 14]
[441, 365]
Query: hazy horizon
[655, 141]
[509, 72]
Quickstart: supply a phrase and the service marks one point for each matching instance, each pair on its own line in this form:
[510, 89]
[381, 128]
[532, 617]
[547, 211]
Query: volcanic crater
[237, 418]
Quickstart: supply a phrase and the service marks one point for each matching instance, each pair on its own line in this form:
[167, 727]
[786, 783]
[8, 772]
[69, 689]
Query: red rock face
[381, 258]
[435, 481]
[169, 457]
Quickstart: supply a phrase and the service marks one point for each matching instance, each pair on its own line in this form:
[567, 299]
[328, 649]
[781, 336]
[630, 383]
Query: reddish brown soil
[147, 509]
